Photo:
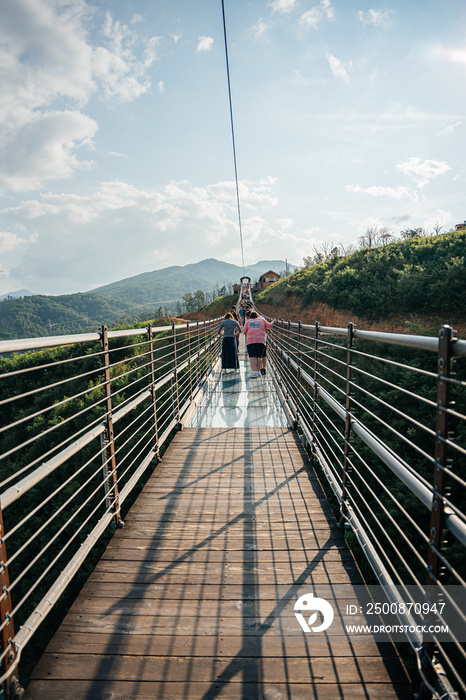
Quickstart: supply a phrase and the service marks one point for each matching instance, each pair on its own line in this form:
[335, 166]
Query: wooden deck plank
[317, 669]
[182, 603]
[188, 591]
[161, 690]
[269, 644]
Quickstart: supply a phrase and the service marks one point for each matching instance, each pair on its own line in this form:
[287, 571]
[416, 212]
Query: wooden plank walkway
[183, 603]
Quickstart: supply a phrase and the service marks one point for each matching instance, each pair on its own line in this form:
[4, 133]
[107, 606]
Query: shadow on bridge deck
[194, 596]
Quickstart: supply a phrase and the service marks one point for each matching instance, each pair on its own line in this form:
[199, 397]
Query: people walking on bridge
[241, 312]
[255, 330]
[234, 313]
[231, 330]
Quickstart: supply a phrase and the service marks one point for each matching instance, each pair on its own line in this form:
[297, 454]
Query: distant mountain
[172, 283]
[15, 295]
[23, 315]
[255, 271]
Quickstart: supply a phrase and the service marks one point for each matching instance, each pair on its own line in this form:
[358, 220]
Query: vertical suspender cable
[233, 135]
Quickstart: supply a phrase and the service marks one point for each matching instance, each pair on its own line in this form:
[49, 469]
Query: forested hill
[40, 315]
[149, 295]
[425, 275]
[171, 283]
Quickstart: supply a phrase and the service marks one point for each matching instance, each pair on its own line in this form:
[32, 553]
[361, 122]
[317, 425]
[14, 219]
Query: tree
[199, 299]
[194, 302]
[345, 250]
[374, 237]
[412, 233]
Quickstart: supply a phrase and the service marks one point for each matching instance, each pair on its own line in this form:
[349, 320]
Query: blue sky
[115, 145]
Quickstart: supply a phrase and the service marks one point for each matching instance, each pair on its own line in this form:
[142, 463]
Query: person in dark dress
[231, 330]
[234, 313]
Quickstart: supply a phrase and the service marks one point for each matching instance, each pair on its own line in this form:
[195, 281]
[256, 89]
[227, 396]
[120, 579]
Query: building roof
[270, 273]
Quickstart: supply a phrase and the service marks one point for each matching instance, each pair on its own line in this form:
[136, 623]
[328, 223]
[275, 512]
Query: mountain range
[16, 294]
[171, 283]
[129, 300]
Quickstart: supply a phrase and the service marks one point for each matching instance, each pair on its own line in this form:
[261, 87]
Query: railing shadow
[248, 660]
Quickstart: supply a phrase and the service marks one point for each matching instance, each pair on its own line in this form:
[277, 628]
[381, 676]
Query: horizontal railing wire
[390, 458]
[55, 448]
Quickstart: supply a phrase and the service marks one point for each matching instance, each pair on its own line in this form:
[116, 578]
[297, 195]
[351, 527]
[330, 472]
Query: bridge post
[211, 364]
[206, 360]
[8, 631]
[152, 390]
[288, 358]
[110, 442]
[198, 368]
[189, 362]
[346, 460]
[298, 379]
[314, 406]
[175, 392]
[435, 569]
[275, 354]
[284, 365]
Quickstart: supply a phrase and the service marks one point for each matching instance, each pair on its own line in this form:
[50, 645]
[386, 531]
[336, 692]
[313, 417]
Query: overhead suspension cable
[233, 135]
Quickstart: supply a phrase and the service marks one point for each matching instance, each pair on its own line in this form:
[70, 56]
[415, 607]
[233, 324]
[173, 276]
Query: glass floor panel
[233, 399]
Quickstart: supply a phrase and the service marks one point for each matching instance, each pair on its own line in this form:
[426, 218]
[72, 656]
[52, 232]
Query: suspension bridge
[179, 518]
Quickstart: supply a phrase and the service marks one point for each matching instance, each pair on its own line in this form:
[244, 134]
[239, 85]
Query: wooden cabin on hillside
[268, 278]
[264, 281]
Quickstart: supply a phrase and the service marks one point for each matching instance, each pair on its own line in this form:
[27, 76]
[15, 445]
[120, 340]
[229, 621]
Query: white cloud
[450, 128]
[455, 56]
[378, 18]
[260, 28]
[51, 69]
[380, 191]
[312, 18]
[185, 221]
[44, 149]
[327, 9]
[401, 117]
[205, 43]
[137, 19]
[283, 6]
[441, 218]
[338, 68]
[285, 223]
[161, 86]
[8, 241]
[422, 172]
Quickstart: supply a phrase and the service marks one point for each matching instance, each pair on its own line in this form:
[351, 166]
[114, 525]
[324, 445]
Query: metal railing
[378, 413]
[80, 425]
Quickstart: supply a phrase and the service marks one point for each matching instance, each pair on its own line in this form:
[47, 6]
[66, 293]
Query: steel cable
[233, 134]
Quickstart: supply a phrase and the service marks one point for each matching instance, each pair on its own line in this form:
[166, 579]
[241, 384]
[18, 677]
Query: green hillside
[40, 315]
[134, 299]
[172, 283]
[420, 275]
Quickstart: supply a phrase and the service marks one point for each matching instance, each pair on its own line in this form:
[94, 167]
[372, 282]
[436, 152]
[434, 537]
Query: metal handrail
[151, 384]
[77, 482]
[313, 379]
[418, 342]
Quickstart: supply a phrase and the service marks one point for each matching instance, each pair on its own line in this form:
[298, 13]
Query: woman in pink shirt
[254, 329]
